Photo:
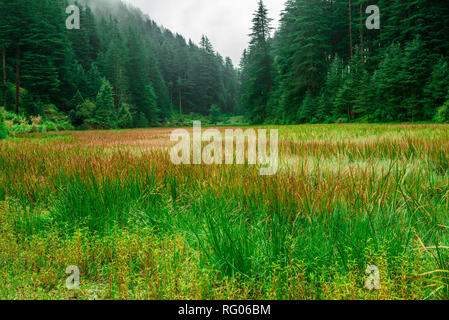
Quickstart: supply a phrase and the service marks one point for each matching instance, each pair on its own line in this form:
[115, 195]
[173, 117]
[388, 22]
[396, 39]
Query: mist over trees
[119, 69]
[325, 65]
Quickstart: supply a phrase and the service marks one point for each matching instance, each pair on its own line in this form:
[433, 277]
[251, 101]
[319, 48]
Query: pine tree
[85, 42]
[334, 83]
[4, 44]
[151, 109]
[206, 45]
[142, 95]
[104, 112]
[84, 113]
[415, 73]
[344, 101]
[307, 110]
[214, 113]
[230, 87]
[115, 41]
[124, 118]
[387, 82]
[163, 105]
[16, 28]
[113, 67]
[94, 81]
[303, 53]
[259, 67]
[436, 89]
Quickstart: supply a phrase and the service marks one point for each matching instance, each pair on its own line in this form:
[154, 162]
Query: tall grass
[345, 197]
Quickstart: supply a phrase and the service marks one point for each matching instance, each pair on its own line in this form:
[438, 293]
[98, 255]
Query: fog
[227, 23]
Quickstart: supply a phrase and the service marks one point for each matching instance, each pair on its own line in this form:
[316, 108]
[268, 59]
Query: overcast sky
[227, 23]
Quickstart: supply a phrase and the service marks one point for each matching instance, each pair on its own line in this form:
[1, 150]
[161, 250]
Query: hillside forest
[121, 69]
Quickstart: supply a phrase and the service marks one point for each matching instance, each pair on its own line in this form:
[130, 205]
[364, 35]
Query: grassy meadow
[139, 227]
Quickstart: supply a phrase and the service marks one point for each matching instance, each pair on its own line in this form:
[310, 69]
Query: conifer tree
[104, 112]
[437, 87]
[142, 95]
[259, 67]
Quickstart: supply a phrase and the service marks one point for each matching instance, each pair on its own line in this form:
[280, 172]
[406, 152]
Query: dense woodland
[122, 70]
[119, 69]
[325, 65]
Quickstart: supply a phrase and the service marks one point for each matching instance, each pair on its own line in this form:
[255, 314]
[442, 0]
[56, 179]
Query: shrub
[214, 113]
[50, 126]
[442, 115]
[141, 121]
[55, 118]
[36, 123]
[85, 111]
[3, 130]
[125, 119]
[104, 111]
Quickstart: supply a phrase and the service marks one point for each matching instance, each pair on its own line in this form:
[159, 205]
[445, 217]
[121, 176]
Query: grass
[139, 227]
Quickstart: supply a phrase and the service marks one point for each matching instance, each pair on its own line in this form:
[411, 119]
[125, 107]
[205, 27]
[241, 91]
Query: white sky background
[227, 23]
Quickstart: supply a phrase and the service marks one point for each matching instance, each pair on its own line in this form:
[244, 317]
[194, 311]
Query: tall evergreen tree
[259, 67]
[104, 112]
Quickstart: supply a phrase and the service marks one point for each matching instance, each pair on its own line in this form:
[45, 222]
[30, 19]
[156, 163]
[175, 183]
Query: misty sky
[227, 23]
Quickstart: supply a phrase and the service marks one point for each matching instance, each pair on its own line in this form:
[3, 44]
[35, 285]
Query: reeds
[345, 197]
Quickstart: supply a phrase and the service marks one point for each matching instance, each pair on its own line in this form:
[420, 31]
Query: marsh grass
[139, 227]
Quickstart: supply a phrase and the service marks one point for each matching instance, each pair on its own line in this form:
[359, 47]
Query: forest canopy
[120, 69]
[325, 65]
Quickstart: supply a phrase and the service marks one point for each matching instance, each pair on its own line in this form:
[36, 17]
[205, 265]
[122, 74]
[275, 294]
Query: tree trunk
[180, 103]
[361, 34]
[4, 75]
[350, 29]
[171, 102]
[17, 79]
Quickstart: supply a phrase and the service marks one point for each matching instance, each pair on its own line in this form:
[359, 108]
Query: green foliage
[258, 65]
[214, 113]
[50, 120]
[104, 111]
[125, 119]
[442, 114]
[437, 87]
[373, 75]
[3, 130]
[244, 236]
[306, 111]
[149, 68]
[141, 121]
[84, 112]
[376, 75]
[344, 100]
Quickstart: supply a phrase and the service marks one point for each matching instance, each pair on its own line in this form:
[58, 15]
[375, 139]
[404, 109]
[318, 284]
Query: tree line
[323, 64]
[119, 69]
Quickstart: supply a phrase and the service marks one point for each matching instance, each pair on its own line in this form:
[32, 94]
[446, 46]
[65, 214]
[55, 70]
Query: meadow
[139, 227]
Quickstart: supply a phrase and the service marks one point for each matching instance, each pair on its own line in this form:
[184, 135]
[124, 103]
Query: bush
[214, 113]
[442, 115]
[3, 130]
[53, 120]
[125, 119]
[141, 121]
[50, 126]
[84, 111]
[36, 123]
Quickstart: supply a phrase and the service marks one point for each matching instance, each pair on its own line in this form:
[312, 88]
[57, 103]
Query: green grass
[346, 197]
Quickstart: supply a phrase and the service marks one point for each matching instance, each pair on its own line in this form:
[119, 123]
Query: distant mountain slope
[145, 73]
